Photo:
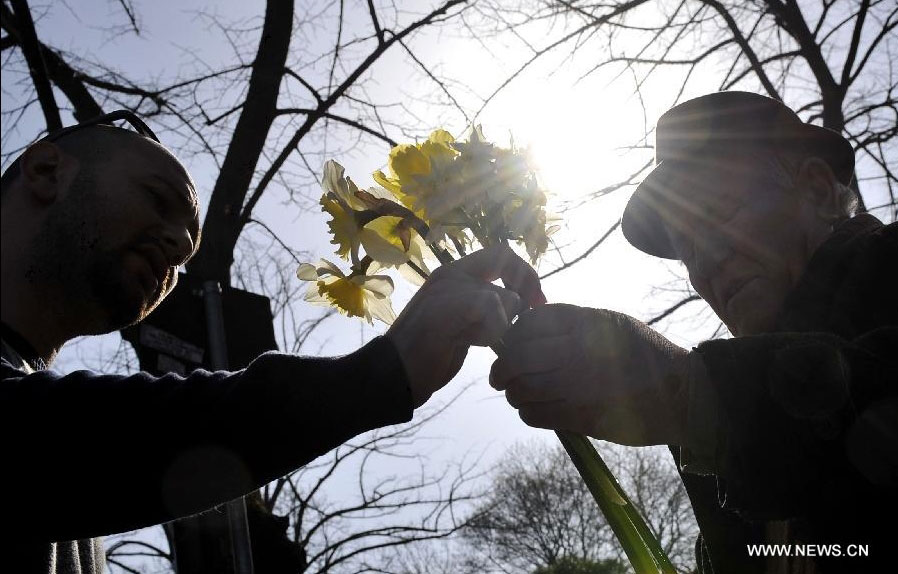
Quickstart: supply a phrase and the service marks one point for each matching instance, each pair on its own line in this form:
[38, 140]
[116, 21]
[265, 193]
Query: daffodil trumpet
[441, 196]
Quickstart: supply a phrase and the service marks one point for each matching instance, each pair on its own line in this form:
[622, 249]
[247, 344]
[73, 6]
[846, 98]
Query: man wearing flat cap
[787, 433]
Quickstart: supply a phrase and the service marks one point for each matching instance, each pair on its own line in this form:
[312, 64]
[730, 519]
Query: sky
[571, 127]
[574, 127]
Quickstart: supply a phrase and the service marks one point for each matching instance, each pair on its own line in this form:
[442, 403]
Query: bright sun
[575, 135]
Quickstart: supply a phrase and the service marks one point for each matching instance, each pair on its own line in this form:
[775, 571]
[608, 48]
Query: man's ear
[47, 171]
[818, 184]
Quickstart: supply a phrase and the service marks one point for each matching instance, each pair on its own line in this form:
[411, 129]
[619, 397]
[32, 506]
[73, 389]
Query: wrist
[699, 453]
[385, 367]
[678, 395]
[405, 352]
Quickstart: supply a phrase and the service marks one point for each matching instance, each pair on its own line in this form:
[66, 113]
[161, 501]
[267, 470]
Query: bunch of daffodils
[438, 199]
[470, 189]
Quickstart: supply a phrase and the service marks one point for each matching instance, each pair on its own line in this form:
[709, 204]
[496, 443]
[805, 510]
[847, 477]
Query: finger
[500, 262]
[530, 357]
[546, 321]
[540, 388]
[510, 300]
[548, 415]
[473, 317]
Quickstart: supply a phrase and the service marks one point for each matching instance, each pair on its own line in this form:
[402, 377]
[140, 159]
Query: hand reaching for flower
[595, 372]
[440, 198]
[457, 307]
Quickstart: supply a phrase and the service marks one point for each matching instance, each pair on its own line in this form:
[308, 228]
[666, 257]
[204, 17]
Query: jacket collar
[809, 307]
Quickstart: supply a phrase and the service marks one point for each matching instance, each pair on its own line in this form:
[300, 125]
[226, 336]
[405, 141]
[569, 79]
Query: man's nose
[177, 243]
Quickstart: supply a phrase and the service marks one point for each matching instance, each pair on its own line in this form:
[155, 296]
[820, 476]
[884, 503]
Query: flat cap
[689, 132]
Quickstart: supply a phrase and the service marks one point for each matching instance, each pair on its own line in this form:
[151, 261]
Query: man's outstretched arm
[91, 454]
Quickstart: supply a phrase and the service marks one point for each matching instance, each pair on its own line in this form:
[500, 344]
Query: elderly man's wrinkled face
[120, 233]
[745, 236]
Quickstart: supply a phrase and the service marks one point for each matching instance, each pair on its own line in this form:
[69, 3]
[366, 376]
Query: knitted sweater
[89, 454]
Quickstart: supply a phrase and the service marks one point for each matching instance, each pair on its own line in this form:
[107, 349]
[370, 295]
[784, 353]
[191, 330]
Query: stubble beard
[84, 276]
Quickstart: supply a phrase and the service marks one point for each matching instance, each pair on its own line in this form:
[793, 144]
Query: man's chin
[753, 309]
[121, 317]
[752, 321]
[120, 295]
[138, 311]
[124, 308]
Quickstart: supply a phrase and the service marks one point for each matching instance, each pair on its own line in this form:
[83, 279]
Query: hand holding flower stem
[642, 548]
[455, 193]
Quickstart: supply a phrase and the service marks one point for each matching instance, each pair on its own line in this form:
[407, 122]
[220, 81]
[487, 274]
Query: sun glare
[574, 135]
[577, 134]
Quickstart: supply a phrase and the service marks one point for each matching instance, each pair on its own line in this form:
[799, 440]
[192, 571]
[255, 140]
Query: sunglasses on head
[107, 119]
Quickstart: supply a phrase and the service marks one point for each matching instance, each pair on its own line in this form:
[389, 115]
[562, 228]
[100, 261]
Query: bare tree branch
[65, 78]
[353, 123]
[583, 255]
[377, 29]
[223, 221]
[855, 41]
[670, 310]
[30, 47]
[746, 48]
[325, 105]
[131, 13]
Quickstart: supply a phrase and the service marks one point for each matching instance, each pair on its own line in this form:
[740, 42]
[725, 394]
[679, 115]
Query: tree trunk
[222, 225]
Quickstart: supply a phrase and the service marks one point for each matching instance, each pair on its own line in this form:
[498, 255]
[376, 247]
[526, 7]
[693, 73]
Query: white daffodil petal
[374, 267]
[325, 267]
[354, 202]
[382, 250]
[379, 285]
[313, 296]
[411, 275]
[328, 281]
[382, 310]
[419, 252]
[307, 272]
[381, 193]
[332, 181]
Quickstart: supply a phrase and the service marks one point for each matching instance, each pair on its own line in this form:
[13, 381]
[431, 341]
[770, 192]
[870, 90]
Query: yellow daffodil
[355, 221]
[340, 202]
[469, 185]
[355, 295]
[527, 225]
[421, 175]
[511, 169]
[525, 218]
[450, 192]
[391, 242]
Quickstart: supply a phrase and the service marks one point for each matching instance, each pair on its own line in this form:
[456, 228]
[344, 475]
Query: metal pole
[218, 360]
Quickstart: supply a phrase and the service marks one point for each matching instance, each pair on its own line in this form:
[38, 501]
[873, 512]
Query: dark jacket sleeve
[87, 454]
[803, 422]
[810, 412]
[803, 414]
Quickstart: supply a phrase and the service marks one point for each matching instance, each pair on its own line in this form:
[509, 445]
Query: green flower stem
[642, 548]
[640, 545]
